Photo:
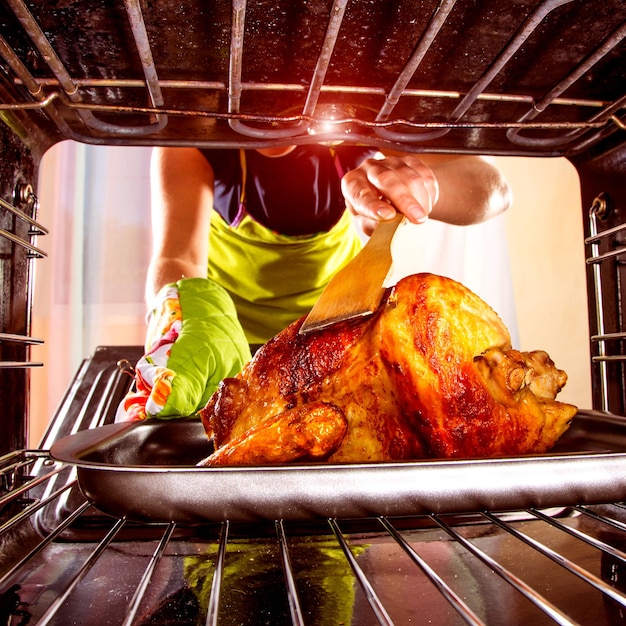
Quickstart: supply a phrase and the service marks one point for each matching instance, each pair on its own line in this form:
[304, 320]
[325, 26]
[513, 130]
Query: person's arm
[182, 197]
[194, 338]
[458, 189]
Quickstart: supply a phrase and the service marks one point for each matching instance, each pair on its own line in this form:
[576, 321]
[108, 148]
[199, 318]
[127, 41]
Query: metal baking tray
[146, 471]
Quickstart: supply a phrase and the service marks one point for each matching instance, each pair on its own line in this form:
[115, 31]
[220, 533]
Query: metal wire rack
[63, 561]
[561, 565]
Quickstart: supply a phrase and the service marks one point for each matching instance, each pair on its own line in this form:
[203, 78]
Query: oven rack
[60, 554]
[449, 569]
[94, 104]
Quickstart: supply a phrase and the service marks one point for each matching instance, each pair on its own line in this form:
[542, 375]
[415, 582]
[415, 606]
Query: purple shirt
[296, 194]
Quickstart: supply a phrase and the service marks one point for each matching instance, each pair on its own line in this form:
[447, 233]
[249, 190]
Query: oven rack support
[606, 248]
[20, 234]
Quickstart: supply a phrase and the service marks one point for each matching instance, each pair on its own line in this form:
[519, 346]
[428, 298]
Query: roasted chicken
[430, 374]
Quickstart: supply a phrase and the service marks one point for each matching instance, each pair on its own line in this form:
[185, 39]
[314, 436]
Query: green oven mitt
[194, 340]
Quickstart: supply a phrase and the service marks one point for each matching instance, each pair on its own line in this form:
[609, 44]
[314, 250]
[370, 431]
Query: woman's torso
[275, 254]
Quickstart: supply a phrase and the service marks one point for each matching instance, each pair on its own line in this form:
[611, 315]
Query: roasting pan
[145, 471]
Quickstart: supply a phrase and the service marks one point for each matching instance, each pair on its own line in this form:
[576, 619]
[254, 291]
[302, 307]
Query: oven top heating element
[539, 78]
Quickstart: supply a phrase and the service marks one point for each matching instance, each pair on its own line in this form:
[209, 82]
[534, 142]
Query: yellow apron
[275, 279]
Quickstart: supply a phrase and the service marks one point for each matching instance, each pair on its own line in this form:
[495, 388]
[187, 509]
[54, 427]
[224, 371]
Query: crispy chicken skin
[430, 374]
[311, 431]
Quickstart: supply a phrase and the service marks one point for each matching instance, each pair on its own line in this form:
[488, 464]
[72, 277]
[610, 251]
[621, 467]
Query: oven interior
[535, 79]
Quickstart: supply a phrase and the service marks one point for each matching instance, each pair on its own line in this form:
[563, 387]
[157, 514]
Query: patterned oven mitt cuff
[194, 340]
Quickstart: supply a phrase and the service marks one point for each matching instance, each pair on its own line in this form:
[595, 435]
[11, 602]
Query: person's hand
[376, 189]
[194, 341]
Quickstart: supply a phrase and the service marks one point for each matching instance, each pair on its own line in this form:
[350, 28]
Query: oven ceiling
[520, 77]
